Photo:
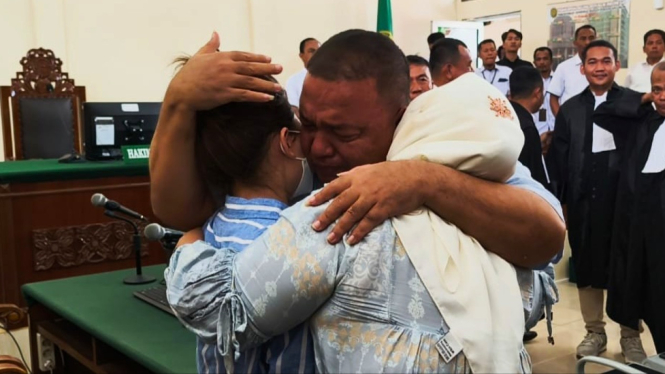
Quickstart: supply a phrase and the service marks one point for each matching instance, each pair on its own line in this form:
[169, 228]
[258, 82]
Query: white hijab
[470, 126]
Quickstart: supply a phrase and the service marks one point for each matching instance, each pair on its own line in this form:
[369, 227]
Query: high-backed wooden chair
[11, 315]
[41, 110]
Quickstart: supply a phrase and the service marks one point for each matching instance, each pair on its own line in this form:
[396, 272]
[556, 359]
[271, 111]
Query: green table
[104, 307]
[51, 170]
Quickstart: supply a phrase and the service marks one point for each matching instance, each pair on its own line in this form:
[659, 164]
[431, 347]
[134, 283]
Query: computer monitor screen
[109, 126]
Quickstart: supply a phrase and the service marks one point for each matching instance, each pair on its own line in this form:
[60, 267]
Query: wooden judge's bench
[50, 230]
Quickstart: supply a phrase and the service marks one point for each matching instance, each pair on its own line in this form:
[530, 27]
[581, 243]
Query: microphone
[155, 231]
[101, 201]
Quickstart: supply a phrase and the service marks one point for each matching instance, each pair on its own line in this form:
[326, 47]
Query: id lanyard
[493, 77]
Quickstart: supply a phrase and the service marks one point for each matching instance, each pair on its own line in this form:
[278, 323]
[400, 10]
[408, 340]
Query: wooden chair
[11, 315]
[41, 110]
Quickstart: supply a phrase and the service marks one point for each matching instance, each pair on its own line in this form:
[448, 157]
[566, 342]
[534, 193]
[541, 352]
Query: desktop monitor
[109, 126]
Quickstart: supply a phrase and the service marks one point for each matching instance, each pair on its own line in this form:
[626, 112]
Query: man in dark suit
[636, 278]
[584, 162]
[526, 95]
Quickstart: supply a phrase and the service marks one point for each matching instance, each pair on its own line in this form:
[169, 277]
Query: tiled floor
[568, 332]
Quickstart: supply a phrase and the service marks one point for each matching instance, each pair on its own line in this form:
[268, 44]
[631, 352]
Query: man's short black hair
[356, 55]
[486, 41]
[543, 49]
[654, 32]
[596, 44]
[585, 27]
[504, 36]
[417, 60]
[433, 37]
[302, 44]
[444, 52]
[523, 81]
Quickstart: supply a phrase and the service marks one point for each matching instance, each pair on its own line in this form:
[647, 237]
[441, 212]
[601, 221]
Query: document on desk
[656, 161]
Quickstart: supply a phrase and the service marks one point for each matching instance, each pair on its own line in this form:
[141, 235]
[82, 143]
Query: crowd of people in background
[575, 148]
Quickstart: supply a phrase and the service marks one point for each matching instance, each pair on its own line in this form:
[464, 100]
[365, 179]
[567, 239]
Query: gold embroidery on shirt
[500, 107]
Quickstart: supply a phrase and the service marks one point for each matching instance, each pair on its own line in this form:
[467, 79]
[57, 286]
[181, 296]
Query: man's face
[513, 43]
[488, 54]
[345, 124]
[655, 47]
[543, 61]
[584, 37]
[310, 48]
[658, 90]
[600, 67]
[451, 72]
[421, 80]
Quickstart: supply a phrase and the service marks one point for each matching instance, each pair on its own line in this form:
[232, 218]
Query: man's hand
[367, 196]
[518, 225]
[647, 98]
[546, 141]
[211, 78]
[190, 237]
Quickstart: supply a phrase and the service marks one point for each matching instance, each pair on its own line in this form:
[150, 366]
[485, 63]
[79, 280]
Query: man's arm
[556, 89]
[520, 227]
[224, 296]
[554, 104]
[178, 194]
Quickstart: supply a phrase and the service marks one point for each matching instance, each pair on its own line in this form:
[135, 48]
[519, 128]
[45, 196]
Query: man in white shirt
[639, 77]
[308, 47]
[569, 79]
[496, 75]
[544, 118]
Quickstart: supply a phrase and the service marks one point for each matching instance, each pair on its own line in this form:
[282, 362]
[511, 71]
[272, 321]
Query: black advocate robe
[585, 183]
[636, 288]
[532, 151]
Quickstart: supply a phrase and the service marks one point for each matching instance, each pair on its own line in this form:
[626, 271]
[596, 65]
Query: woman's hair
[232, 140]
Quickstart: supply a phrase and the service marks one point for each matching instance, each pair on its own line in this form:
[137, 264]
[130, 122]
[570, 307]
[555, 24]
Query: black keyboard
[155, 296]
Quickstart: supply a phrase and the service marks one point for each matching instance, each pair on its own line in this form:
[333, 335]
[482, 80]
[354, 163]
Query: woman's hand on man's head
[211, 78]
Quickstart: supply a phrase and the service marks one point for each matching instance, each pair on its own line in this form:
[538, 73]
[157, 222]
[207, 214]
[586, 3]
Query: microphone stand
[139, 278]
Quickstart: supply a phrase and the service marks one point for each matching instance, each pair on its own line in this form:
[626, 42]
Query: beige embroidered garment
[470, 126]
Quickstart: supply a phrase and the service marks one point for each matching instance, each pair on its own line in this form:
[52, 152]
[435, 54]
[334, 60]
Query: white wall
[121, 50]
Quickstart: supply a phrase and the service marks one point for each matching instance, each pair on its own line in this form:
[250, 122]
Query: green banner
[384, 20]
[135, 154]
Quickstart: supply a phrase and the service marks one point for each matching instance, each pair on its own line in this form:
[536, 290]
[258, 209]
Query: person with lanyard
[639, 77]
[636, 278]
[497, 76]
[569, 79]
[584, 163]
[544, 118]
[512, 42]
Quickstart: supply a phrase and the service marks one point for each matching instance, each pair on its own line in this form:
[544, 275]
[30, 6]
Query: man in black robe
[636, 288]
[526, 96]
[584, 163]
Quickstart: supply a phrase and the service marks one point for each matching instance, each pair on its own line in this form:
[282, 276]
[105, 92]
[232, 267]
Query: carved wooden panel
[66, 247]
[42, 74]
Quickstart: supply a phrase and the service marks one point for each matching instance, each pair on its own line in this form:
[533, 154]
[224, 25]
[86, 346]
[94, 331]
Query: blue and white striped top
[235, 226]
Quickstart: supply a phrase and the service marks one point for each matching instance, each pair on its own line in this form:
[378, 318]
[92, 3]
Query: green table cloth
[104, 307]
[30, 171]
